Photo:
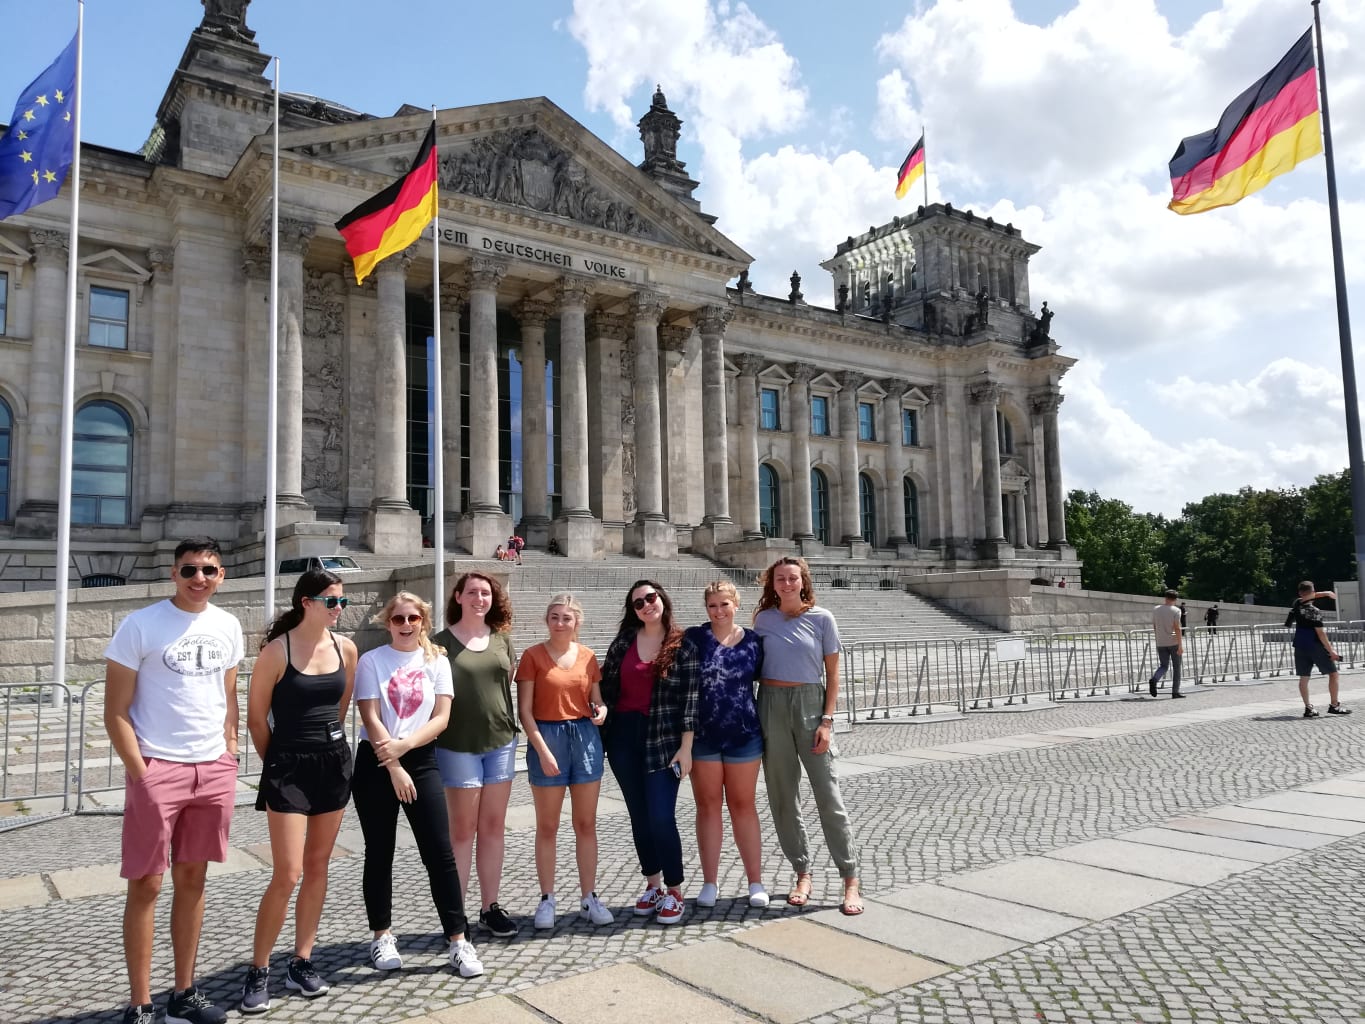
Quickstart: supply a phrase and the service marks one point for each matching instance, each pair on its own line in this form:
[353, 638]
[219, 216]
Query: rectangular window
[4, 300]
[819, 415]
[770, 419]
[910, 428]
[866, 422]
[108, 317]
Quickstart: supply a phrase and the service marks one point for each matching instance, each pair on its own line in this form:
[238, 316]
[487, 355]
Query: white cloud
[1286, 389]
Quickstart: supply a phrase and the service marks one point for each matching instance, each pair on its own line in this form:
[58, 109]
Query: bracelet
[827, 718]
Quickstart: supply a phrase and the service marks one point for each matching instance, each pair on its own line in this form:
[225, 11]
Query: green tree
[1229, 547]
[1117, 546]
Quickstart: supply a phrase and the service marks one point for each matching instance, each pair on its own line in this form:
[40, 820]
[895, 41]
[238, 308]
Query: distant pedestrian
[1211, 619]
[1170, 643]
[1184, 616]
[1312, 648]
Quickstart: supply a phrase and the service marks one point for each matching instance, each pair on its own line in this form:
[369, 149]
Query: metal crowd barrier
[910, 676]
[32, 765]
[1088, 664]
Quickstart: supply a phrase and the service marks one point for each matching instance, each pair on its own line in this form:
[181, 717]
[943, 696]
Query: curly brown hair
[770, 598]
[499, 617]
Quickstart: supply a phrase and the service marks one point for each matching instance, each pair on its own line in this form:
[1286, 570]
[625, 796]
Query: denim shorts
[577, 749]
[729, 753]
[473, 771]
[1313, 658]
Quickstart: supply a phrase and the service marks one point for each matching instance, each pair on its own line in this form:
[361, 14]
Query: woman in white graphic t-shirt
[403, 690]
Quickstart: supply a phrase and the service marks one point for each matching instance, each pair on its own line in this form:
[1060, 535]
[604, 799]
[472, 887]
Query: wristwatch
[827, 718]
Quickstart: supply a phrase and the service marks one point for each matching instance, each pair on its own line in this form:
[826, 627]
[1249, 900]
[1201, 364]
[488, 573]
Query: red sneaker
[670, 907]
[648, 903]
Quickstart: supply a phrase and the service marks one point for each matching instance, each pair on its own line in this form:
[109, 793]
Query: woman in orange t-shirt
[560, 704]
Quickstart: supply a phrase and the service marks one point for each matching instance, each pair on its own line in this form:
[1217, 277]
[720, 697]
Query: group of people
[511, 551]
[438, 742]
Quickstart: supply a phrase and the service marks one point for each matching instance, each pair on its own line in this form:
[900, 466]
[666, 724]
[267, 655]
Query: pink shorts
[177, 812]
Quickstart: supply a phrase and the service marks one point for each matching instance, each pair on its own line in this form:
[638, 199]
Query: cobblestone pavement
[1277, 941]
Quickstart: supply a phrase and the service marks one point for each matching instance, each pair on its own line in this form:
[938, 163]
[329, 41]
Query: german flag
[911, 169]
[1267, 131]
[395, 218]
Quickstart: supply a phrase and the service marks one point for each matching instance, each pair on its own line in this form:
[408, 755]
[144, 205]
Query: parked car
[334, 563]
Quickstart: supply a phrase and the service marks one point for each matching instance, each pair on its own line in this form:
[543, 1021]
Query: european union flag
[36, 152]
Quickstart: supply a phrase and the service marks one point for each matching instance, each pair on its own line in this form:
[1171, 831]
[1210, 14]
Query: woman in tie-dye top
[403, 690]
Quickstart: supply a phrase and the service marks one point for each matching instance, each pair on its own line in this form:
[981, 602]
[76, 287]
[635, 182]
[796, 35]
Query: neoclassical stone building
[611, 382]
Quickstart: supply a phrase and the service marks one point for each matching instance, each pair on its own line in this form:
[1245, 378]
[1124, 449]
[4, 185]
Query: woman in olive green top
[477, 752]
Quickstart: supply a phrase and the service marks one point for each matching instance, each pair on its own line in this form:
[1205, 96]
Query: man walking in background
[1170, 643]
[1312, 648]
[1211, 619]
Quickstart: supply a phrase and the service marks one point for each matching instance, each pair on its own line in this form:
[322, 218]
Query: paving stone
[1336, 787]
[1181, 866]
[1074, 889]
[934, 754]
[857, 961]
[928, 936]
[616, 995]
[977, 748]
[1173, 839]
[1293, 822]
[1341, 808]
[23, 891]
[95, 880]
[1250, 833]
[968, 908]
[886, 760]
[768, 987]
[494, 1010]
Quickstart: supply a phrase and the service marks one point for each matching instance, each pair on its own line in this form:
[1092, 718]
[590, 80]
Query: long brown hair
[630, 621]
[770, 598]
[499, 617]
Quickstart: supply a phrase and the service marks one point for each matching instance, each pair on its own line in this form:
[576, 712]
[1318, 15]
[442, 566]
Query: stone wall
[1006, 599]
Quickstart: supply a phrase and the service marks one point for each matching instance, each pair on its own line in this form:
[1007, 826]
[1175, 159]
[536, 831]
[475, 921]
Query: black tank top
[305, 705]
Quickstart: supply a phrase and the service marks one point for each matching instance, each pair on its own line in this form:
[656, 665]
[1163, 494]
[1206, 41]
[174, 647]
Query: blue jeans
[651, 798]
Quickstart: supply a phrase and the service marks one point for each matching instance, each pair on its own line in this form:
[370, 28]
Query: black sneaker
[140, 1014]
[1151, 687]
[1177, 696]
[256, 990]
[1308, 711]
[193, 1007]
[303, 978]
[495, 919]
[1337, 709]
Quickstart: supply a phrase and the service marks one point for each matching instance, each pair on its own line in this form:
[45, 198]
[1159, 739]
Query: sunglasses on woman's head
[331, 602]
[187, 572]
[405, 620]
[640, 602]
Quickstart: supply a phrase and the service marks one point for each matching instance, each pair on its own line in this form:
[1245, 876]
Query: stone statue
[1041, 329]
[227, 18]
[930, 318]
[842, 304]
[742, 285]
[795, 295]
[983, 306]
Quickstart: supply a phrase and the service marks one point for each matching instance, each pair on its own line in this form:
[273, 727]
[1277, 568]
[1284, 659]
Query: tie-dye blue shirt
[726, 714]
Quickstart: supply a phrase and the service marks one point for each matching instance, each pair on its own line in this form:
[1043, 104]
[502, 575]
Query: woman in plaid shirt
[649, 739]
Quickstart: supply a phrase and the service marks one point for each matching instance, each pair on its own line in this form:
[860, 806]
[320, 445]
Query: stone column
[850, 382]
[651, 535]
[454, 295]
[606, 386]
[715, 444]
[895, 463]
[575, 530]
[535, 438]
[161, 433]
[36, 512]
[1046, 405]
[987, 397]
[392, 526]
[290, 506]
[486, 525]
[746, 389]
[799, 402]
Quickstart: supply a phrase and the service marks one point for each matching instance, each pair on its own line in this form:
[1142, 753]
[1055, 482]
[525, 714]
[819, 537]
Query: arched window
[867, 509]
[1006, 433]
[101, 465]
[6, 436]
[819, 505]
[911, 512]
[769, 501]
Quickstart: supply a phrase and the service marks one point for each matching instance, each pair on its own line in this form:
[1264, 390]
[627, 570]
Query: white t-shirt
[181, 659]
[406, 686]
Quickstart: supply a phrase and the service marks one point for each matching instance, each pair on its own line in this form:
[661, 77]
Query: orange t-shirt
[561, 695]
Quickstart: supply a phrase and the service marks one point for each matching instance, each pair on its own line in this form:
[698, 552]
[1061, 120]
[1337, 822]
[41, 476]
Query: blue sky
[1208, 344]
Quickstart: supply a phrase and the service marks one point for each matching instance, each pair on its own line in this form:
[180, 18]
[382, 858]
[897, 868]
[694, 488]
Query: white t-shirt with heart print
[405, 684]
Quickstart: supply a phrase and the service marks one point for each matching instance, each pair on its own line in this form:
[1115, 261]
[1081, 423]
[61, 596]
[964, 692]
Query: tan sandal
[852, 904]
[800, 893]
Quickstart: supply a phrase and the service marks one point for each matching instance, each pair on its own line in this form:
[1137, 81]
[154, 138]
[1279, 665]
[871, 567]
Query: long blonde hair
[430, 650]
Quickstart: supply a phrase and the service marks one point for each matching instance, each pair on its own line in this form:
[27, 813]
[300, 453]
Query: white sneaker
[758, 896]
[545, 913]
[384, 953]
[464, 959]
[591, 909]
[708, 894]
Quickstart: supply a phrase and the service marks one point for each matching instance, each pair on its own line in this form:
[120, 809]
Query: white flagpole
[438, 476]
[272, 387]
[68, 389]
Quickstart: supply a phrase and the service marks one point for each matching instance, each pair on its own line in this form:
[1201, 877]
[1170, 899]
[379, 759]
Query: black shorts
[1314, 657]
[306, 780]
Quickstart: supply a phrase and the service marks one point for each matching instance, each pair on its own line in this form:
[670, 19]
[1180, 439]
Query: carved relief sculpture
[324, 393]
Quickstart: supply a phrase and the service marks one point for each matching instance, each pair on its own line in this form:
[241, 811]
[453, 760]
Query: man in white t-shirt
[1170, 643]
[170, 708]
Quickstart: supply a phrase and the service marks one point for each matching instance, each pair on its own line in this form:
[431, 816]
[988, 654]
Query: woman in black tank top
[300, 692]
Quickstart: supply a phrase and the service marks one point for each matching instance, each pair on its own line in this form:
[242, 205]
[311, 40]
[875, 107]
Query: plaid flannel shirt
[673, 705]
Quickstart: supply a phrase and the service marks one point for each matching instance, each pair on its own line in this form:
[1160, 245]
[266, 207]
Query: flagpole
[272, 413]
[1348, 370]
[924, 141]
[68, 390]
[438, 513]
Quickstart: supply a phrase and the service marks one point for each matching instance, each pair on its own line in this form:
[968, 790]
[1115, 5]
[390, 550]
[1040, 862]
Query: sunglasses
[640, 602]
[330, 602]
[405, 620]
[187, 572]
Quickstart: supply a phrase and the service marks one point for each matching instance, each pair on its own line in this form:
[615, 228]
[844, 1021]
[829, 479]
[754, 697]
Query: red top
[637, 683]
